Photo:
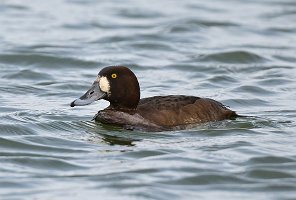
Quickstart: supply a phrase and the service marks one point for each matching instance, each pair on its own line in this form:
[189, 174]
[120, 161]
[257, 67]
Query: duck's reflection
[115, 140]
[111, 135]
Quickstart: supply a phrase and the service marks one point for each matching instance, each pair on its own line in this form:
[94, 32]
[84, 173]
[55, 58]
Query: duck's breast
[126, 120]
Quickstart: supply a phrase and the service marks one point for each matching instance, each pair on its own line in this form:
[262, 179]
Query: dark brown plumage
[154, 113]
[179, 109]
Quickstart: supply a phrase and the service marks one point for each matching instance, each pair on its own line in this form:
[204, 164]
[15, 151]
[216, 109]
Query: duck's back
[177, 110]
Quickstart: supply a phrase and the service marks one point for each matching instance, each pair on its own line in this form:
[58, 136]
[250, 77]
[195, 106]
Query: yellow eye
[114, 75]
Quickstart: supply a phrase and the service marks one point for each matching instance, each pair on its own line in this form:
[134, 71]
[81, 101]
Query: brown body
[167, 113]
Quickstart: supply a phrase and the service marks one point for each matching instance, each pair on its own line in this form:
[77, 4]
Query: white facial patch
[104, 84]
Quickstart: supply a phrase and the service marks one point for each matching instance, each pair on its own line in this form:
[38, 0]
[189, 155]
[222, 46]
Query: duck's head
[116, 84]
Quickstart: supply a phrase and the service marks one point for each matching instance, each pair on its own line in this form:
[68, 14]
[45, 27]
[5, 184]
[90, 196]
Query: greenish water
[241, 53]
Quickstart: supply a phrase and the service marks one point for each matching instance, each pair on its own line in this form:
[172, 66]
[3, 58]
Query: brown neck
[126, 94]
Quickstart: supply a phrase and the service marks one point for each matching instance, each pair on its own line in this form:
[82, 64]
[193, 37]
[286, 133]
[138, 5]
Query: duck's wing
[181, 110]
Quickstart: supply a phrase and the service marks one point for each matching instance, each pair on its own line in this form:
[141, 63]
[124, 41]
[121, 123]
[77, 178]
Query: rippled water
[241, 53]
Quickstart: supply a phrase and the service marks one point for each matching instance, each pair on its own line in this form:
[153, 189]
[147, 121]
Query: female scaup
[119, 86]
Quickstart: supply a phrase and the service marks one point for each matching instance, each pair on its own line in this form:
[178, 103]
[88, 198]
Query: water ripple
[28, 74]
[44, 61]
[232, 57]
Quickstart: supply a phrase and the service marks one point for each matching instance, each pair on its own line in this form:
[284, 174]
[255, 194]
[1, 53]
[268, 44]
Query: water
[241, 53]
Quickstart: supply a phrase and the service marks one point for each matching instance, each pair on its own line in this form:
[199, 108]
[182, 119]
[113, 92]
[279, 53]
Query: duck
[120, 86]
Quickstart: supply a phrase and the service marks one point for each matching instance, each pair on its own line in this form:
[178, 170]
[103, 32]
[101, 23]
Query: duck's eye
[113, 75]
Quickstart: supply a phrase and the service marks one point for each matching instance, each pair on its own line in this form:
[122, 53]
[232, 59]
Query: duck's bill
[93, 94]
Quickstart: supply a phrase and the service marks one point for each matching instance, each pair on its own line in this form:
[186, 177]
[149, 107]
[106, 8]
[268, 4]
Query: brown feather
[181, 110]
